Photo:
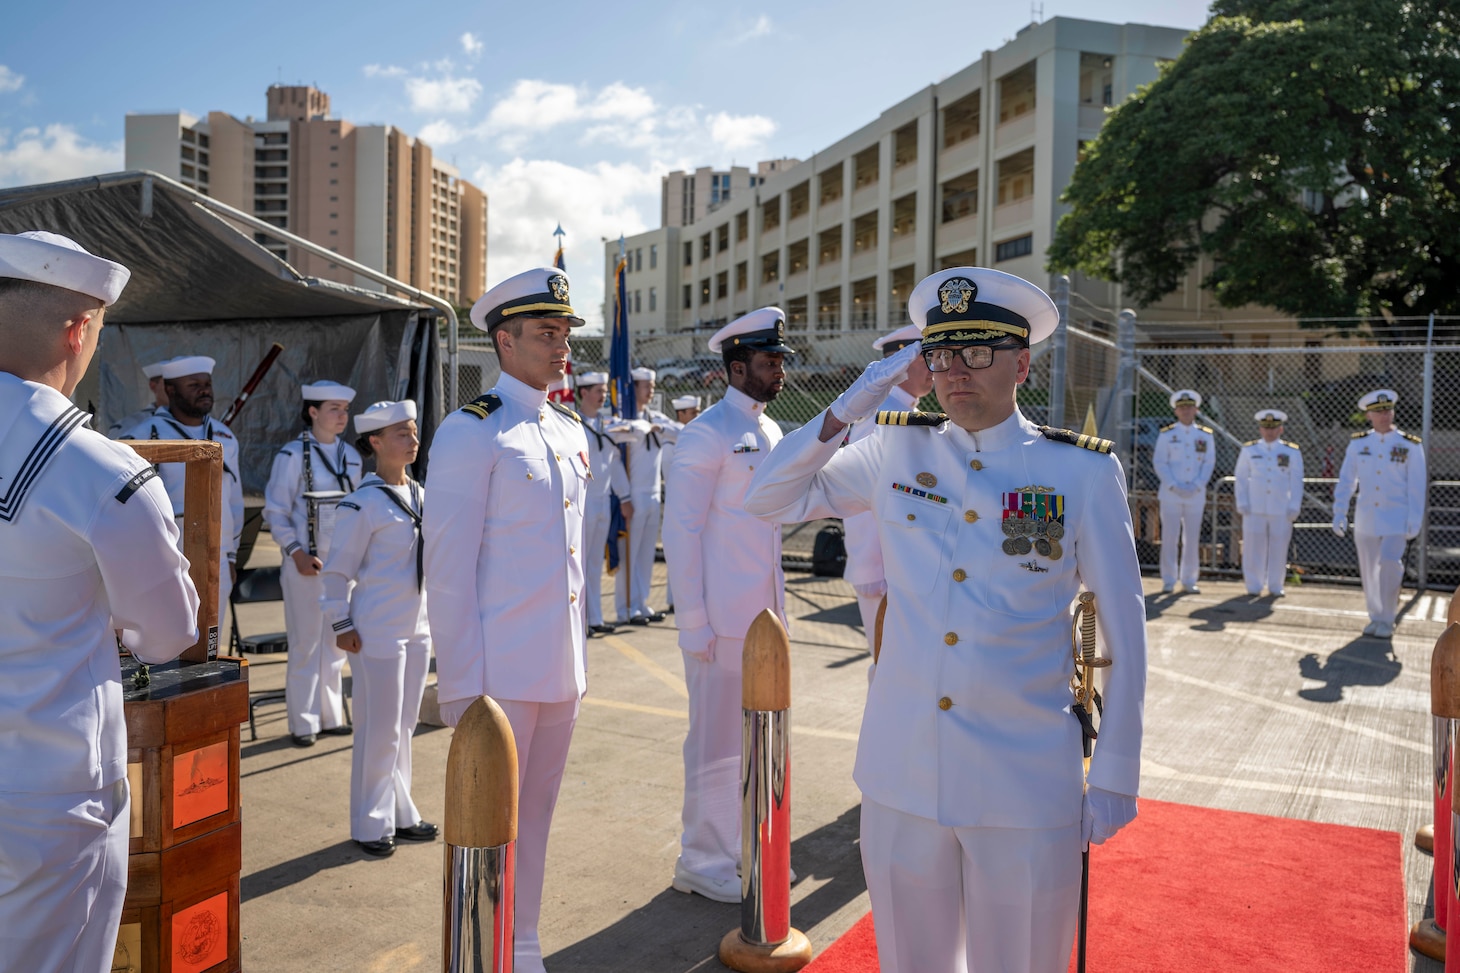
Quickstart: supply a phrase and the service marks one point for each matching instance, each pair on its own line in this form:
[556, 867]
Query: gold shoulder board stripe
[1411, 437]
[888, 417]
[565, 410]
[1072, 438]
[1250, 442]
[482, 406]
[1168, 428]
[1205, 429]
[1359, 435]
[1290, 443]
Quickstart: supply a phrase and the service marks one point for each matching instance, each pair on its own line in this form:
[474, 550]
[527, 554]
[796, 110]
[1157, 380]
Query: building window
[742, 226]
[796, 257]
[722, 238]
[705, 247]
[1018, 247]
[770, 268]
[653, 294]
[722, 285]
[705, 291]
[960, 197]
[653, 262]
[770, 215]
[638, 304]
[639, 258]
[742, 275]
[829, 246]
[689, 253]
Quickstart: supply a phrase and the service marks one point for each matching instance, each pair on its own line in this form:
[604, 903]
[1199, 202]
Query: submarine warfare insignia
[927, 480]
[1034, 520]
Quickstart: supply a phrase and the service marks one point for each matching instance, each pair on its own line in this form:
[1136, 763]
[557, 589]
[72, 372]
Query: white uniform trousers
[595, 539]
[1381, 569]
[387, 695]
[631, 593]
[63, 877]
[1180, 521]
[1265, 540]
[313, 690]
[970, 900]
[868, 607]
[710, 844]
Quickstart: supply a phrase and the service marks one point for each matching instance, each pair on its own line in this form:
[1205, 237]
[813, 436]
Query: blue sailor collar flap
[40, 429]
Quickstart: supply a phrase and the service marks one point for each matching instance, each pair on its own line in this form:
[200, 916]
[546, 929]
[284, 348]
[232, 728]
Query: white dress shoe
[1369, 628]
[1194, 589]
[715, 889]
[1383, 630]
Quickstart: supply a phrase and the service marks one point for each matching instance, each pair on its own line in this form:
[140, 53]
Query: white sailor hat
[1379, 400]
[1186, 397]
[1271, 417]
[586, 379]
[685, 402]
[327, 392]
[897, 340]
[978, 306]
[382, 414]
[187, 365]
[49, 258]
[539, 293]
[761, 330]
[154, 370]
[643, 374]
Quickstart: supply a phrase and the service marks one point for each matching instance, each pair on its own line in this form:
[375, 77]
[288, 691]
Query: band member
[1184, 458]
[155, 392]
[382, 621]
[317, 461]
[1387, 468]
[188, 382]
[969, 759]
[509, 480]
[1269, 488]
[609, 481]
[727, 567]
[88, 554]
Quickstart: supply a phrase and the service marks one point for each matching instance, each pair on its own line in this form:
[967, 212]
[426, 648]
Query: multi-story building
[371, 193]
[686, 197]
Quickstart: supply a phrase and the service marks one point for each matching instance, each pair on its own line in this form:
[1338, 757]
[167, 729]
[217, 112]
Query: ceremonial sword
[1086, 707]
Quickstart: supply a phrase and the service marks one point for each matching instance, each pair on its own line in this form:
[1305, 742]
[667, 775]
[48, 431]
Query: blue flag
[621, 393]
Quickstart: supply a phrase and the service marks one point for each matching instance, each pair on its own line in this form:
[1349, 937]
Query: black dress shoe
[656, 616]
[303, 739]
[669, 610]
[383, 848]
[639, 620]
[338, 731]
[425, 831]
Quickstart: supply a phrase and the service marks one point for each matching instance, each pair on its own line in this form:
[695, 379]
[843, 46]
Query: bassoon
[252, 384]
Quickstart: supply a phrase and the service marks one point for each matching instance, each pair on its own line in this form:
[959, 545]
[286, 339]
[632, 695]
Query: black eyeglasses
[974, 356]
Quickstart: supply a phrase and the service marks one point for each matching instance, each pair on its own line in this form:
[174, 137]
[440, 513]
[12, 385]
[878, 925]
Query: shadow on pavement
[1238, 608]
[1363, 662]
[297, 870]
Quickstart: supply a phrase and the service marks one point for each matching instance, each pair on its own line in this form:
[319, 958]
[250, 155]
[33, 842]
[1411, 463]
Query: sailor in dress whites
[509, 481]
[686, 408]
[1184, 457]
[1387, 468]
[864, 554]
[1269, 490]
[153, 373]
[318, 460]
[188, 381]
[609, 481]
[969, 759]
[382, 621]
[88, 546]
[727, 568]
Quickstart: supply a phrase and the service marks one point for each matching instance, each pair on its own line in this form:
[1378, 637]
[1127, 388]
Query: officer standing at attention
[158, 394]
[727, 569]
[969, 757]
[686, 408]
[188, 382]
[509, 480]
[1387, 467]
[88, 548]
[609, 481]
[864, 555]
[1184, 458]
[316, 460]
[1269, 489]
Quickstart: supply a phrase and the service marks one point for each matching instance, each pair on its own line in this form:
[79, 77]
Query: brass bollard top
[1452, 612]
[1445, 675]
[765, 665]
[481, 779]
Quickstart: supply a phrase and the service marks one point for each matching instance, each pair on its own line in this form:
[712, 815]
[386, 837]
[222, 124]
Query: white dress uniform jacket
[646, 469]
[1389, 473]
[333, 466]
[609, 481]
[968, 722]
[1184, 458]
[1269, 494]
[121, 427]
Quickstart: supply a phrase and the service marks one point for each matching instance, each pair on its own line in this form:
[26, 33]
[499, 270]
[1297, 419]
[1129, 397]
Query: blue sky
[565, 112]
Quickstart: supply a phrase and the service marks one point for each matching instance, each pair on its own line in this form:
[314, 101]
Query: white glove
[698, 642]
[872, 386]
[874, 590]
[1103, 814]
[1340, 524]
[1410, 533]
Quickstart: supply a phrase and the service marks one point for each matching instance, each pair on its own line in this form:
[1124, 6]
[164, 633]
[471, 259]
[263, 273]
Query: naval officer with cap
[88, 548]
[1387, 468]
[155, 391]
[188, 381]
[609, 481]
[1184, 457]
[969, 757]
[509, 481]
[686, 408]
[316, 461]
[1269, 489]
[727, 570]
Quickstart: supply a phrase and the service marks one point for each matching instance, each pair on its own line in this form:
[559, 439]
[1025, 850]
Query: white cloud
[58, 152]
[761, 28]
[384, 71]
[450, 95]
[471, 44]
[734, 133]
[440, 132]
[537, 105]
[9, 80]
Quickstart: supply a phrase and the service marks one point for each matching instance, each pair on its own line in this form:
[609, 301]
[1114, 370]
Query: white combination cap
[1379, 400]
[539, 293]
[586, 379]
[978, 306]
[685, 402]
[50, 258]
[760, 330]
[1186, 397]
[327, 392]
[382, 414]
[897, 340]
[643, 374]
[1271, 417]
[187, 365]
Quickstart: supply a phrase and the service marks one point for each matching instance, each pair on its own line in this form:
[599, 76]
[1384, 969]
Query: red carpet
[1194, 888]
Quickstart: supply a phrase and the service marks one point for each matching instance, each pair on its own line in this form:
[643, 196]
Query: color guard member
[1269, 490]
[1184, 457]
[609, 481]
[153, 372]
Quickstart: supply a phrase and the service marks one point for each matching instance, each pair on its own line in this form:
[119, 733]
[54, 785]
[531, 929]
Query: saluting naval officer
[155, 392]
[864, 553]
[727, 570]
[969, 759]
[1387, 468]
[318, 460]
[1269, 489]
[1184, 457]
[188, 381]
[609, 481]
[88, 547]
[509, 479]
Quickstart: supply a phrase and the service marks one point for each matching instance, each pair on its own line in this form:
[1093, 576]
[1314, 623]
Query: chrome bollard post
[1428, 936]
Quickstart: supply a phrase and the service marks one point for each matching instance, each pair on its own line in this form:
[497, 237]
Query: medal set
[1034, 520]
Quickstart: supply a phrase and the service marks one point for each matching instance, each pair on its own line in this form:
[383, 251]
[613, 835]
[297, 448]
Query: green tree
[1308, 146]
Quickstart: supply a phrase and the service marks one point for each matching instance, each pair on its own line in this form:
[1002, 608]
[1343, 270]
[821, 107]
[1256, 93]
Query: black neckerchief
[597, 436]
[415, 511]
[207, 436]
[341, 475]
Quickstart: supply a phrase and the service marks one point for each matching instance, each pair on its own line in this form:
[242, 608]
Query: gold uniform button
[567, 504]
[945, 703]
[960, 575]
[557, 457]
[572, 598]
[975, 466]
[970, 515]
[912, 516]
[529, 476]
[951, 638]
[572, 550]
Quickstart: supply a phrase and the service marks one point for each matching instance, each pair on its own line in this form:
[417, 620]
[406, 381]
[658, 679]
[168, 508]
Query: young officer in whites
[609, 481]
[188, 382]
[864, 553]
[969, 757]
[155, 391]
[317, 460]
[504, 559]
[727, 568]
[377, 545]
[1387, 468]
[1184, 458]
[88, 555]
[686, 408]
[1269, 477]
